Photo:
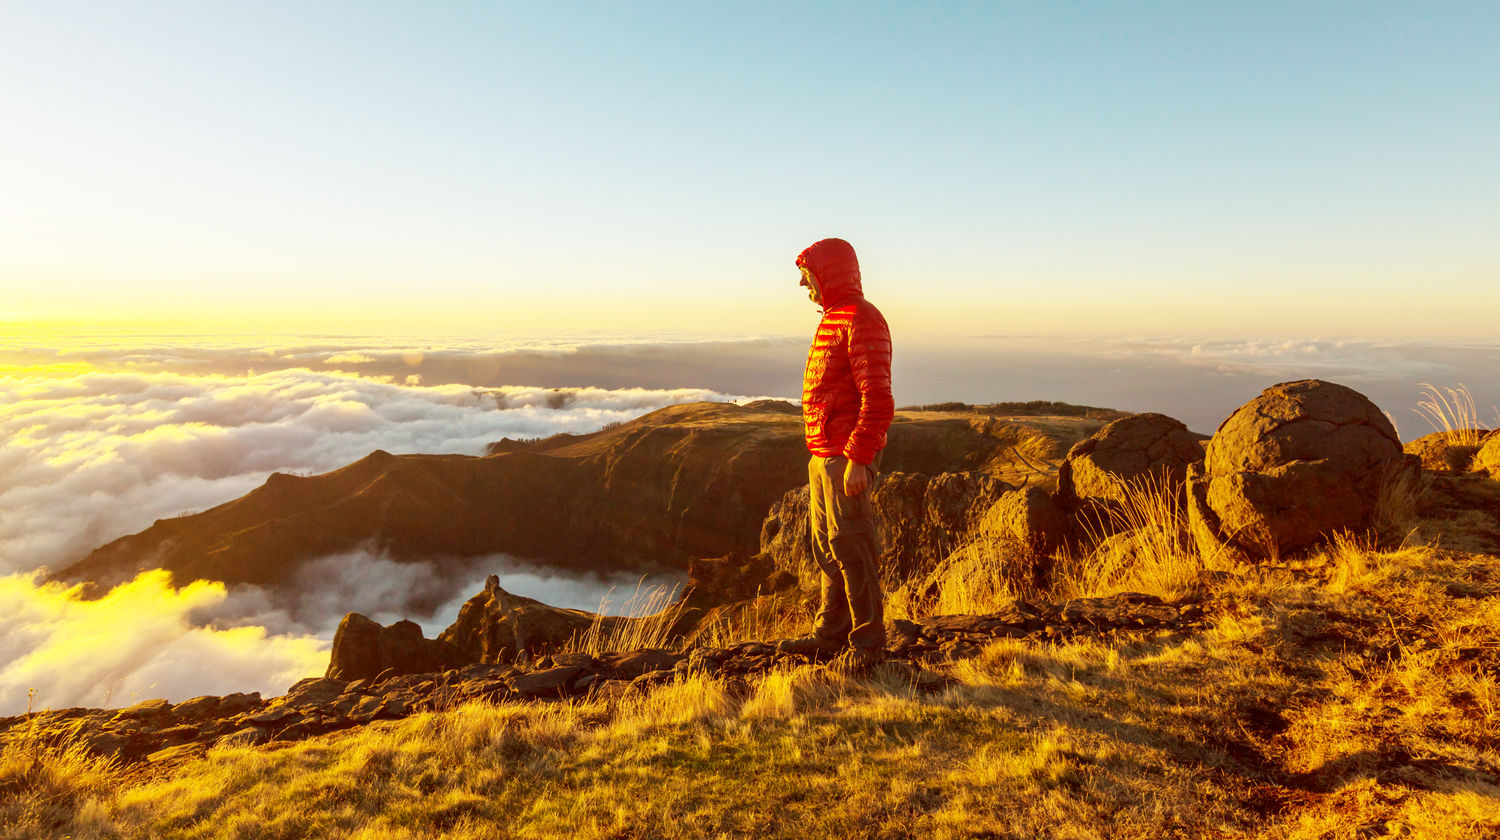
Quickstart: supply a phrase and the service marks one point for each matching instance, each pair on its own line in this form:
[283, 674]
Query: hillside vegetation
[1351, 696]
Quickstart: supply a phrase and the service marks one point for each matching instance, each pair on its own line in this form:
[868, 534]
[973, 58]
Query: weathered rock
[1447, 451]
[578, 658]
[363, 649]
[628, 666]
[275, 715]
[713, 581]
[247, 737]
[552, 682]
[237, 703]
[1018, 535]
[1031, 517]
[395, 705]
[1487, 458]
[106, 743]
[314, 691]
[1130, 449]
[197, 707]
[496, 626]
[178, 734]
[1297, 463]
[145, 709]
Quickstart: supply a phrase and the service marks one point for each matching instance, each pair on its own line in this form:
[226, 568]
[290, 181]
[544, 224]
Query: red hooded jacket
[846, 389]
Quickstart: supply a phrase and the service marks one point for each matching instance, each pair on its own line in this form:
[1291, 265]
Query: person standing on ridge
[846, 409]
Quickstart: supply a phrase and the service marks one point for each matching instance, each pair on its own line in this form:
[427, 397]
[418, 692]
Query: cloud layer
[138, 642]
[89, 458]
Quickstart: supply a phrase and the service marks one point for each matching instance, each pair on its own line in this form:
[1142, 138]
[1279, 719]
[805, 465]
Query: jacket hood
[833, 262]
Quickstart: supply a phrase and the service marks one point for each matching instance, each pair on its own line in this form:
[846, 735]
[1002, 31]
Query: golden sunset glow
[414, 424]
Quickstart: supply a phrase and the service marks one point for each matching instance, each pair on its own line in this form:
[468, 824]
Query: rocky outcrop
[497, 627]
[1301, 461]
[1450, 451]
[683, 482]
[1096, 470]
[1029, 517]
[362, 649]
[919, 519]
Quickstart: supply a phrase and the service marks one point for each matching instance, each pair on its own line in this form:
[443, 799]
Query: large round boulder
[1297, 463]
[1129, 449]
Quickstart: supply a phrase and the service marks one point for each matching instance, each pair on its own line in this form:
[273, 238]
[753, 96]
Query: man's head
[830, 271]
[810, 282]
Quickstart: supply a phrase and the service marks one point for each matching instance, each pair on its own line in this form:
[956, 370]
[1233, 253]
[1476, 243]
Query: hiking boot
[859, 660]
[810, 645]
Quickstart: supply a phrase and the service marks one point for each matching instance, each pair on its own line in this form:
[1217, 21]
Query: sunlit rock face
[1449, 451]
[1299, 462]
[1487, 459]
[1128, 450]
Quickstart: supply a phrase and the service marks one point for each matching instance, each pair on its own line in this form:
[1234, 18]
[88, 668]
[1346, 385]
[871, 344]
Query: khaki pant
[844, 546]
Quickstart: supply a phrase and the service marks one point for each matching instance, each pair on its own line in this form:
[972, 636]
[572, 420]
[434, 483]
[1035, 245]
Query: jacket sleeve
[870, 362]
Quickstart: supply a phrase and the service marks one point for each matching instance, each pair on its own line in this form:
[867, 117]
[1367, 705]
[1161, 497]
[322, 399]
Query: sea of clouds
[102, 435]
[93, 452]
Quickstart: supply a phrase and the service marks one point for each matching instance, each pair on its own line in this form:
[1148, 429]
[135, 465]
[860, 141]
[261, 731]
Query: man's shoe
[810, 645]
[859, 660]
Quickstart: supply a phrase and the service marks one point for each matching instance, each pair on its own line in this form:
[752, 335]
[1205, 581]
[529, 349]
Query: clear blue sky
[1311, 169]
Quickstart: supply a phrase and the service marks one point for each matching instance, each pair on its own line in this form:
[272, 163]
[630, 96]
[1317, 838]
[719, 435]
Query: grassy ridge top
[1353, 697]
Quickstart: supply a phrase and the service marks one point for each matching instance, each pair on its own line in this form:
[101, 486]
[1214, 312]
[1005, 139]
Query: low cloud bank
[140, 641]
[1198, 382]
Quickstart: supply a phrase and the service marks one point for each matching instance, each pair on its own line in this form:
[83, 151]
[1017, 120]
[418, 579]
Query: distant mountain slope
[685, 481]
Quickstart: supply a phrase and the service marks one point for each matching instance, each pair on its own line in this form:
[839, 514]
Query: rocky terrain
[159, 732]
[1316, 650]
[1297, 463]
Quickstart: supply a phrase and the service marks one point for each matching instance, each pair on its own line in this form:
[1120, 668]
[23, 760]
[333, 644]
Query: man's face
[814, 291]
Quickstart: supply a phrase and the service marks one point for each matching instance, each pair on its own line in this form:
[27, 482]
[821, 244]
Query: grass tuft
[1452, 411]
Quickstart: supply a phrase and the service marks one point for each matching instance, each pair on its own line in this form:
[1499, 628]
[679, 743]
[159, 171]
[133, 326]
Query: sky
[1182, 170]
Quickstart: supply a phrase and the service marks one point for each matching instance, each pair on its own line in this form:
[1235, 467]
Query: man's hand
[856, 478]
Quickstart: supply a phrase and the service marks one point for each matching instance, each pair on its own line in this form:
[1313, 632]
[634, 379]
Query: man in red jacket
[846, 409]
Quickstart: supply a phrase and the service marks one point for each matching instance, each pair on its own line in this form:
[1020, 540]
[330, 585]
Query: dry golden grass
[650, 621]
[48, 779]
[1359, 699]
[1452, 411]
[1141, 545]
[775, 615]
[971, 580]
